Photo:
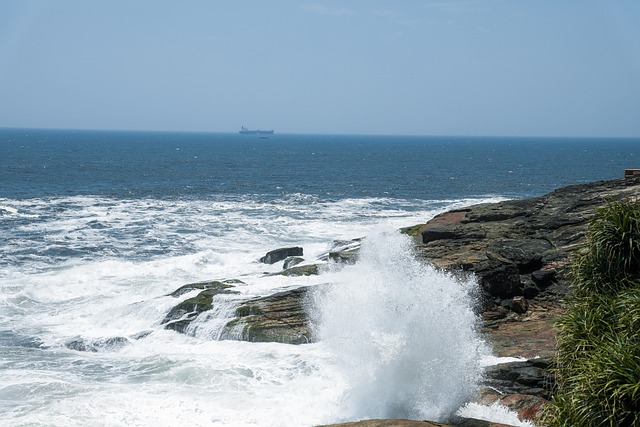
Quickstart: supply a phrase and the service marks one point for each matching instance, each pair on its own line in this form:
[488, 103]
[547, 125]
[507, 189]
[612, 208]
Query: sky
[429, 67]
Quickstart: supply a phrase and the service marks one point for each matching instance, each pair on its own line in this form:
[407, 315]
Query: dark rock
[214, 284]
[292, 261]
[519, 305]
[432, 233]
[529, 287]
[544, 277]
[525, 254]
[498, 278]
[279, 254]
[528, 377]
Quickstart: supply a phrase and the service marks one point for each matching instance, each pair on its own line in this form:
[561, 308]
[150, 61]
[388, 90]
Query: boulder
[280, 254]
[280, 317]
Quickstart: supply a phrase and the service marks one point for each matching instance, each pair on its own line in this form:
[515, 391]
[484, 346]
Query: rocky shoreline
[518, 250]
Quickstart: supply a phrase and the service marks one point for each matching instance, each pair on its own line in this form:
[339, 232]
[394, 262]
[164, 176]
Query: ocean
[97, 228]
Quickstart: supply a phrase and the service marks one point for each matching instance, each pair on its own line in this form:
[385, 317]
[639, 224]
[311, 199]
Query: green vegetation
[413, 231]
[598, 363]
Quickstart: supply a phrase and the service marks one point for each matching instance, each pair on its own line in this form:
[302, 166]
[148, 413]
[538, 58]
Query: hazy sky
[457, 67]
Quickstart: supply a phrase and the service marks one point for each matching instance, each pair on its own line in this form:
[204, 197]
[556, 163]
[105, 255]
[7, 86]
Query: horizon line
[67, 129]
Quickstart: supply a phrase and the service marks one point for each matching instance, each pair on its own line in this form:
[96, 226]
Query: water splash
[404, 334]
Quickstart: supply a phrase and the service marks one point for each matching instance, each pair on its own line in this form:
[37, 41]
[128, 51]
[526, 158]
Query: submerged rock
[292, 261]
[94, 346]
[343, 251]
[345, 256]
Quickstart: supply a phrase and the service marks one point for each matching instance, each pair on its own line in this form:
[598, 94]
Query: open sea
[98, 228]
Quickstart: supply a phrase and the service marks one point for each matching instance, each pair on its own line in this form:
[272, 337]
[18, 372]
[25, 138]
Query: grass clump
[598, 362]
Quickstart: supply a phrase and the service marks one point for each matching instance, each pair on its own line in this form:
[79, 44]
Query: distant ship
[246, 131]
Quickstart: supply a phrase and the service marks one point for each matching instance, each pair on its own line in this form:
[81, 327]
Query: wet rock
[214, 284]
[343, 251]
[280, 317]
[527, 407]
[346, 256]
[529, 377]
[280, 254]
[529, 335]
[292, 261]
[299, 270]
[181, 315]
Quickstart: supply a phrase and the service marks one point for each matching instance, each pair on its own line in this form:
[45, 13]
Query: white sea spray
[493, 413]
[403, 333]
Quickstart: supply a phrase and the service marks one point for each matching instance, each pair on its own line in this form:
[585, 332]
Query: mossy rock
[181, 315]
[413, 231]
[280, 317]
[300, 270]
[254, 329]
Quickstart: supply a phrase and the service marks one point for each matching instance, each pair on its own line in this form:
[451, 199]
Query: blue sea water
[45, 163]
[98, 228]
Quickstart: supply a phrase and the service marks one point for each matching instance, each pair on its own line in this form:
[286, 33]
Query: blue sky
[457, 67]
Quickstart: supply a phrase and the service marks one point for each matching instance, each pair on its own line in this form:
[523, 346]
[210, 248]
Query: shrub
[598, 362]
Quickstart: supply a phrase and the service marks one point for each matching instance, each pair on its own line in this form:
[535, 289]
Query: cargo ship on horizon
[245, 131]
